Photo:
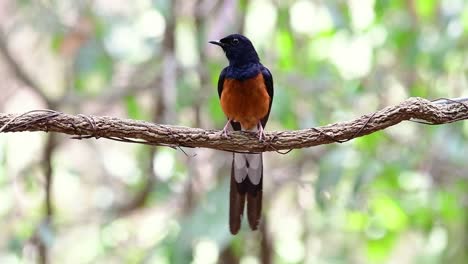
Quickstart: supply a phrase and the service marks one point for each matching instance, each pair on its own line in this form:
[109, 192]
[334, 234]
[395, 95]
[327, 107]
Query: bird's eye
[235, 41]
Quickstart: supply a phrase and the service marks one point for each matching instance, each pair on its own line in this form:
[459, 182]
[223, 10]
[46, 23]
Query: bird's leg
[260, 132]
[224, 133]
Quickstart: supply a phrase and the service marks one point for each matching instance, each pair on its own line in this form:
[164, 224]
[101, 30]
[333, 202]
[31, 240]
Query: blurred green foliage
[395, 196]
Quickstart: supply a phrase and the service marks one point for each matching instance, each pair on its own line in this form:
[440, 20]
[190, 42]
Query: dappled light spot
[310, 17]
[164, 165]
[351, 55]
[362, 13]
[206, 251]
[265, 12]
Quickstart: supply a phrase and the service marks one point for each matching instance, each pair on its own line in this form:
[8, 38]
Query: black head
[239, 50]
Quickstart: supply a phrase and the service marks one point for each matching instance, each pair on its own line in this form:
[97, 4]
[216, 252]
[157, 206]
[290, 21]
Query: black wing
[222, 76]
[268, 78]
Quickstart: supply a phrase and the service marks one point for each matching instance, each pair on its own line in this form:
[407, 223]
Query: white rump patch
[240, 167]
[253, 171]
[255, 167]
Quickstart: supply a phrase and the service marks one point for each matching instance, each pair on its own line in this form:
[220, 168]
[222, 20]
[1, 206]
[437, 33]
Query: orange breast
[245, 101]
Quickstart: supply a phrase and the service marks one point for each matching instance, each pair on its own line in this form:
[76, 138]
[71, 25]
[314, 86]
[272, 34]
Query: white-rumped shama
[245, 89]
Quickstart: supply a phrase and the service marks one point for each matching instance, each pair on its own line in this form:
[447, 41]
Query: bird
[245, 89]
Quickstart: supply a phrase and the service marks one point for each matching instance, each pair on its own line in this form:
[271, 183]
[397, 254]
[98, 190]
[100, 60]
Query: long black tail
[246, 180]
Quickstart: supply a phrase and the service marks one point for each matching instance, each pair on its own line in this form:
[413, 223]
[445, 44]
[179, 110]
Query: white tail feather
[248, 165]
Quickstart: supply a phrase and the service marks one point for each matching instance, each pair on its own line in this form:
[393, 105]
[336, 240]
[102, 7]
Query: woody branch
[442, 111]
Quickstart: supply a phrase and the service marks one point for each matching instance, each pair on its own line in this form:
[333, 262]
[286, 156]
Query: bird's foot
[225, 133]
[260, 133]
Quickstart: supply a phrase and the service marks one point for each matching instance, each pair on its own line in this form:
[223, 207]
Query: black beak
[217, 43]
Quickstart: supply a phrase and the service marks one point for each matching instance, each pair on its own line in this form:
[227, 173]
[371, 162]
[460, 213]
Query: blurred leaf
[282, 108]
[215, 111]
[93, 69]
[449, 205]
[379, 249]
[133, 108]
[465, 18]
[418, 90]
[406, 42]
[387, 179]
[15, 245]
[422, 218]
[56, 42]
[356, 221]
[426, 8]
[285, 49]
[370, 143]
[389, 213]
[382, 7]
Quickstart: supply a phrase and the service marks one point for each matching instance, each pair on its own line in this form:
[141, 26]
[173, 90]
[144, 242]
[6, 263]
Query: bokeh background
[396, 196]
